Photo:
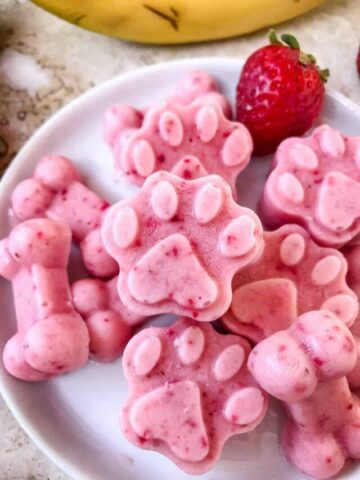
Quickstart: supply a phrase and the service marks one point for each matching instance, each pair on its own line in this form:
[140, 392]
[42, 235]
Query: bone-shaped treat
[109, 322]
[306, 367]
[56, 191]
[51, 336]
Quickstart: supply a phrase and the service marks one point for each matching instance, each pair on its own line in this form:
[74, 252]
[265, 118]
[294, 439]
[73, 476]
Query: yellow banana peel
[176, 21]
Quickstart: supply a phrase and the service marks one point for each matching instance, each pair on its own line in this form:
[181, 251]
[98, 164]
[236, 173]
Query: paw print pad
[293, 276]
[190, 391]
[316, 183]
[171, 134]
[178, 244]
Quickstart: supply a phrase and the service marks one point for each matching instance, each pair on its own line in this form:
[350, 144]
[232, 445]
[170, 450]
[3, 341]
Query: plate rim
[196, 63]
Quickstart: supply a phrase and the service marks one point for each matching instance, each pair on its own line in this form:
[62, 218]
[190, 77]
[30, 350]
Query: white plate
[74, 419]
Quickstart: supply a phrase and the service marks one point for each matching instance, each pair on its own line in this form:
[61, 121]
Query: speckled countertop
[44, 63]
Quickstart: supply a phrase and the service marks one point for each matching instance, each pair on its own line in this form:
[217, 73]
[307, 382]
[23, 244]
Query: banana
[176, 21]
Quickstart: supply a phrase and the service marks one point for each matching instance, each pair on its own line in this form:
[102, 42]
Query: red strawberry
[358, 62]
[280, 93]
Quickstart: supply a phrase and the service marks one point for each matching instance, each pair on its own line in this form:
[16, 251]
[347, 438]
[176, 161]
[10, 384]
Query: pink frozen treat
[316, 183]
[170, 133]
[55, 191]
[352, 255]
[190, 390]
[192, 86]
[179, 243]
[293, 276]
[110, 324]
[121, 119]
[51, 336]
[305, 367]
[199, 84]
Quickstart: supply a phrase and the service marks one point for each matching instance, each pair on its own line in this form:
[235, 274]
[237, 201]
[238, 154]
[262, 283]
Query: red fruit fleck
[358, 62]
[191, 423]
[280, 93]
[348, 344]
[300, 388]
[230, 239]
[318, 361]
[301, 327]
[203, 442]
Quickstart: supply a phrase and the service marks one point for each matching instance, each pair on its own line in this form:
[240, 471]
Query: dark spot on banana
[175, 12]
[78, 19]
[173, 20]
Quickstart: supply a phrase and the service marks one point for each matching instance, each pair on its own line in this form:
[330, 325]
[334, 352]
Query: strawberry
[280, 93]
[358, 62]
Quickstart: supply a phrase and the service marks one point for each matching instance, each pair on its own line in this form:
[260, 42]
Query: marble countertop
[45, 63]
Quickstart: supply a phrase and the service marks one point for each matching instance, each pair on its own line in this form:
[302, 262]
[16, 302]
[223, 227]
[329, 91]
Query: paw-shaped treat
[55, 191]
[293, 276]
[169, 133]
[305, 366]
[190, 391]
[179, 243]
[120, 120]
[109, 322]
[192, 86]
[51, 336]
[352, 255]
[316, 183]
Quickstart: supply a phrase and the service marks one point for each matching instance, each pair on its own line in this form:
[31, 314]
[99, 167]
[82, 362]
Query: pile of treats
[285, 300]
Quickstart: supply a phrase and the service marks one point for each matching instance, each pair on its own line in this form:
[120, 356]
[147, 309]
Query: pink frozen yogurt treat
[190, 390]
[51, 336]
[316, 183]
[192, 86]
[56, 191]
[293, 276]
[121, 119]
[306, 367]
[179, 243]
[170, 134]
[109, 322]
[352, 255]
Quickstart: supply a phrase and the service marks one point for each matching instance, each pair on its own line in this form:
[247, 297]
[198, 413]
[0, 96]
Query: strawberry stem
[288, 40]
[324, 74]
[273, 38]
